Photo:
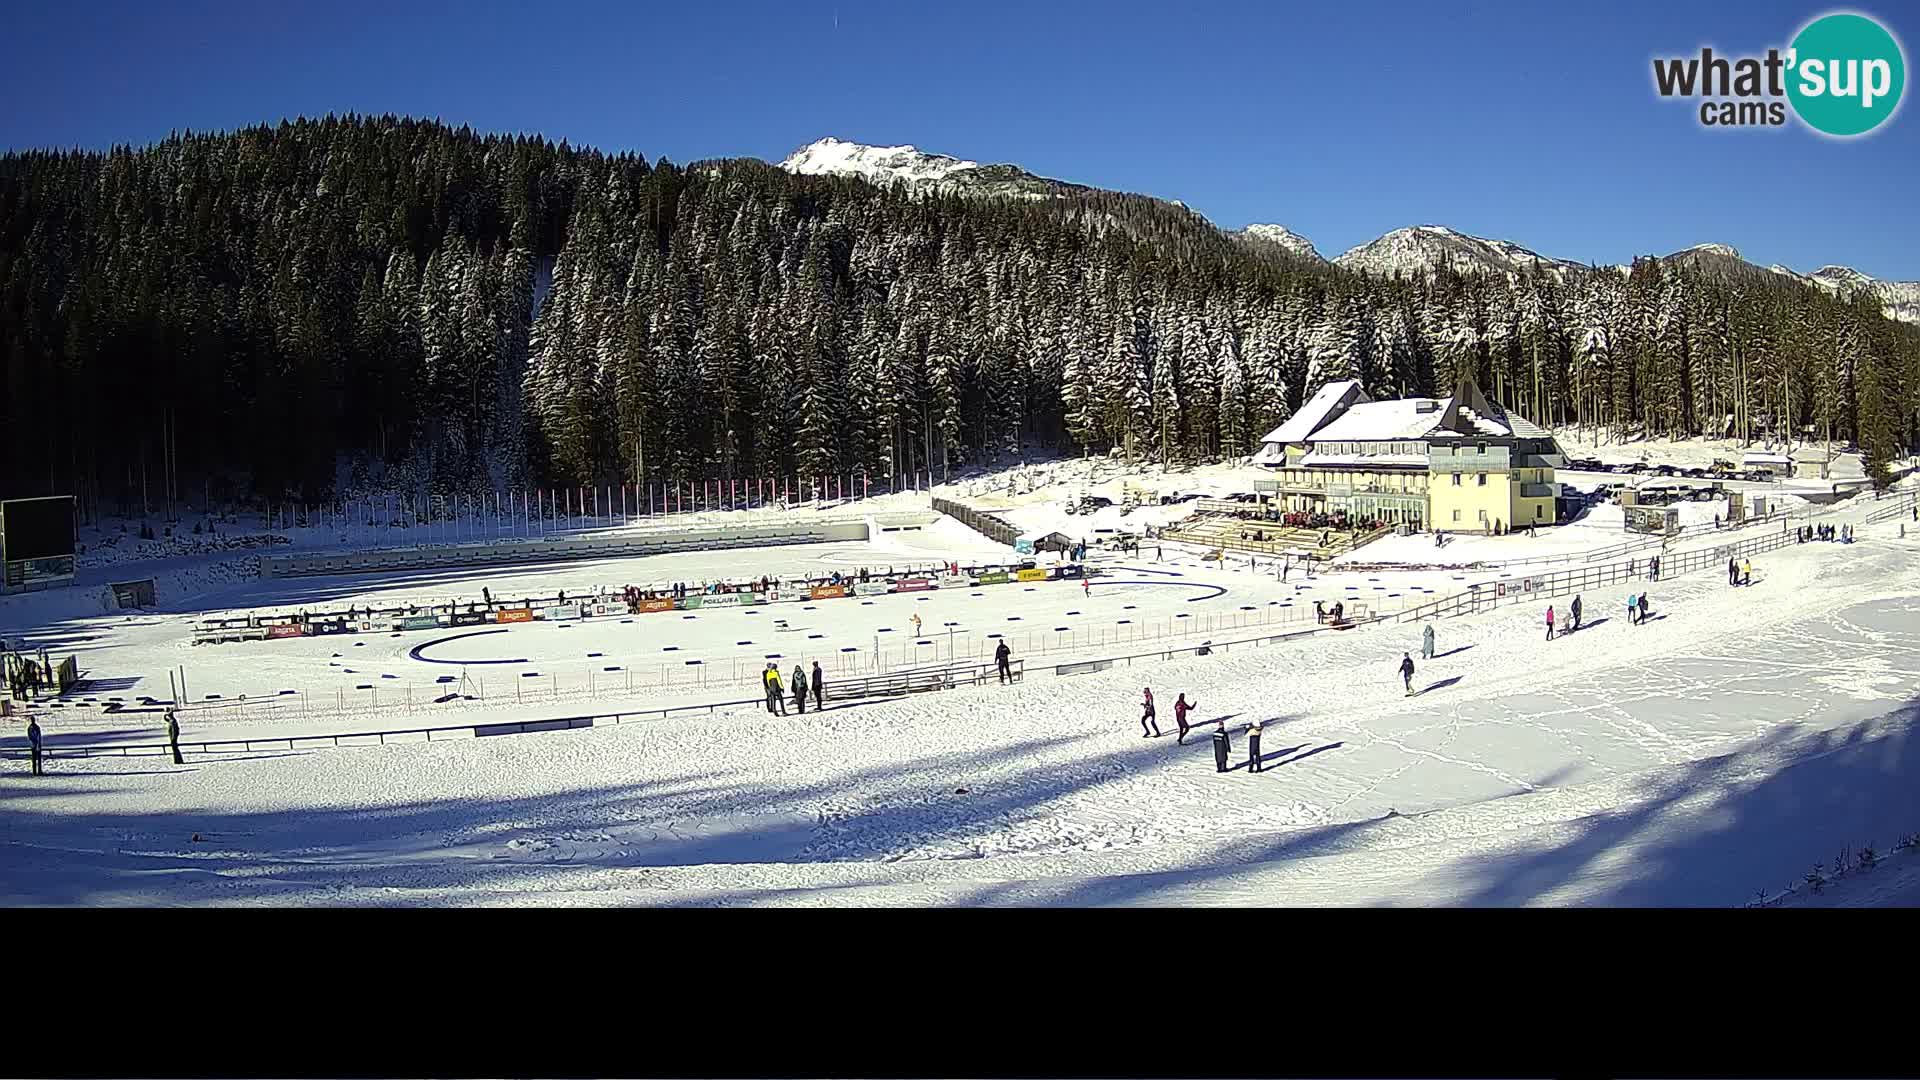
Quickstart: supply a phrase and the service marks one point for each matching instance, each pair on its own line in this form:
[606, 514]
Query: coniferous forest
[334, 307]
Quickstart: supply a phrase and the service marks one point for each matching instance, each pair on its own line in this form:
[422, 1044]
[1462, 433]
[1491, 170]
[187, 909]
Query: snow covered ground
[1717, 751]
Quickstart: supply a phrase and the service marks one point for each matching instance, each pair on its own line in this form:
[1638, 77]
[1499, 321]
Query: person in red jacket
[1180, 709]
[1146, 716]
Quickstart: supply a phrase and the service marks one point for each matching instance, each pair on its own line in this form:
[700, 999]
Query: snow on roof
[1381, 420]
[1314, 412]
[1812, 453]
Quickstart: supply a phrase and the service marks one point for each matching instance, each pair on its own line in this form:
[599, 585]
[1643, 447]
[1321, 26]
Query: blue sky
[1534, 122]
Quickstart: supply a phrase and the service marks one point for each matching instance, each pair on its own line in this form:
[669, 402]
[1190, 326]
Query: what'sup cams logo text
[1842, 76]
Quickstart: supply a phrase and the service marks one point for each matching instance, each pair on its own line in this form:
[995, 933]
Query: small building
[1811, 463]
[1766, 461]
[1043, 540]
[1654, 520]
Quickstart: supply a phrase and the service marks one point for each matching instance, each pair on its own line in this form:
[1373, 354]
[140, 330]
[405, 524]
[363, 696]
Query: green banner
[691, 601]
[997, 577]
[419, 622]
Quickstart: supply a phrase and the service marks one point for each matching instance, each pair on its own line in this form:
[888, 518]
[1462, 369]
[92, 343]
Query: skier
[1086, 587]
[1003, 659]
[1576, 615]
[1146, 715]
[1633, 610]
[33, 742]
[819, 688]
[1406, 671]
[173, 736]
[800, 688]
[1643, 607]
[1426, 643]
[1253, 747]
[1222, 746]
[1549, 622]
[1180, 709]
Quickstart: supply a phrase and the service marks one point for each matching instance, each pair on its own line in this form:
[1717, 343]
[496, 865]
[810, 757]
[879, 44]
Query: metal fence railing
[855, 691]
[1488, 595]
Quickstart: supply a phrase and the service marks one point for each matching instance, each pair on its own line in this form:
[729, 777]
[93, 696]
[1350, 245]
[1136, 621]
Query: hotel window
[1483, 479]
[1539, 511]
[1456, 479]
[1456, 515]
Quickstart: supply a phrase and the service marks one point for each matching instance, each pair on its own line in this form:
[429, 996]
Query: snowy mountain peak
[831, 156]
[1727, 250]
[921, 171]
[1421, 249]
[1842, 276]
[1284, 238]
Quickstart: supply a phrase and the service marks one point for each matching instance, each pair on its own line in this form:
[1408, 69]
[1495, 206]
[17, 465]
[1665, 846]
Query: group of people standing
[1739, 571]
[776, 693]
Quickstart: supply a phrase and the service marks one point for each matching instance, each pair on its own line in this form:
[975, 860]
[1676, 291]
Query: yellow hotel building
[1458, 464]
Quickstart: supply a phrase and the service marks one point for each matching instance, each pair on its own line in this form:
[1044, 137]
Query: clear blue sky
[1535, 122]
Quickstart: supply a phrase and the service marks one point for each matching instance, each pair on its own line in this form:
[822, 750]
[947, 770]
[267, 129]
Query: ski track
[1535, 742]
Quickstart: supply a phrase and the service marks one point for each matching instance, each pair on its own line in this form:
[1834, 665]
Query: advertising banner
[561, 611]
[955, 581]
[1071, 571]
[872, 588]
[752, 597]
[725, 599]
[335, 626]
[516, 614]
[469, 618]
[827, 592]
[995, 577]
[419, 622]
[912, 585]
[1035, 574]
[694, 601]
[663, 603]
[280, 630]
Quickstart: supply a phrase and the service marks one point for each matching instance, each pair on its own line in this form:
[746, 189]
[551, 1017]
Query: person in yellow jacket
[776, 700]
[1746, 571]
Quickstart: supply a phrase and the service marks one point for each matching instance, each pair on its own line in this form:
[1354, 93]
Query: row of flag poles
[538, 511]
[532, 511]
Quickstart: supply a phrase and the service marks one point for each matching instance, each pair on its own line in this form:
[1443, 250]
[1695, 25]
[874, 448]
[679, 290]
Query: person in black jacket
[1003, 659]
[33, 742]
[1222, 746]
[173, 736]
[1406, 670]
[819, 688]
[1253, 747]
[800, 688]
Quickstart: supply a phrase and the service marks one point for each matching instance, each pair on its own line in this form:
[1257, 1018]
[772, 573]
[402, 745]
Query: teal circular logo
[1846, 74]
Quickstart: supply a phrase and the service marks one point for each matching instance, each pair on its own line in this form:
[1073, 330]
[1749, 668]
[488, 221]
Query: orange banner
[518, 614]
[827, 592]
[664, 603]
